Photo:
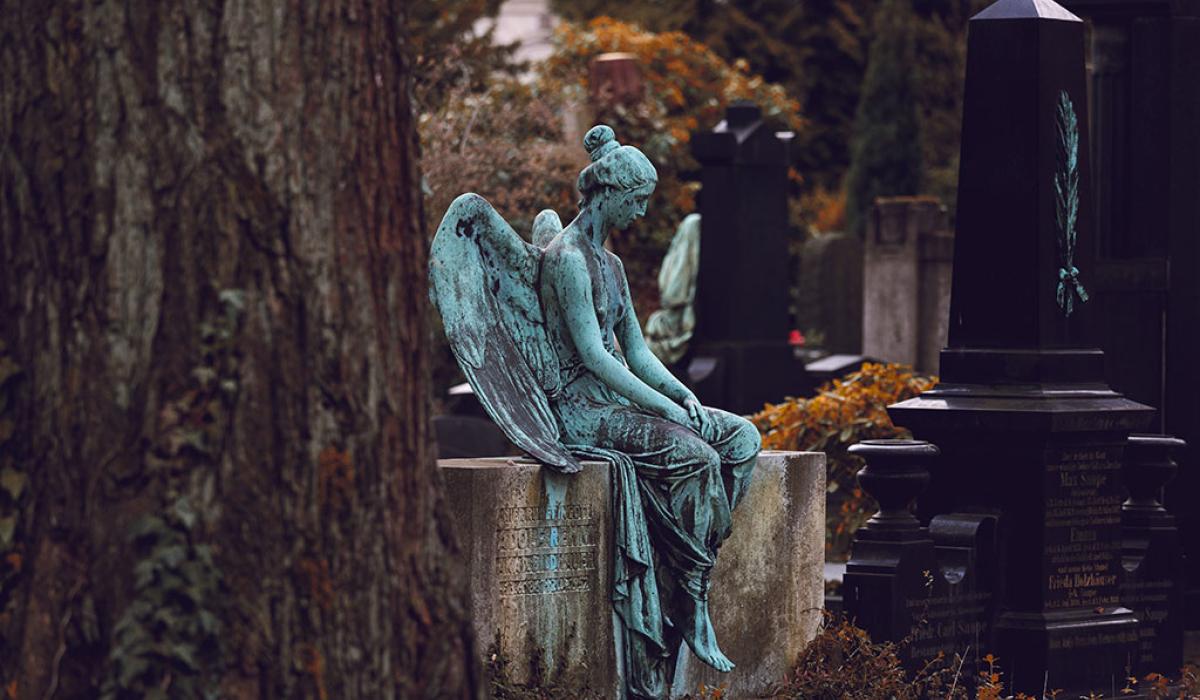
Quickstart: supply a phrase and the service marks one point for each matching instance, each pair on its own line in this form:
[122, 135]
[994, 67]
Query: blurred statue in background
[548, 338]
[669, 329]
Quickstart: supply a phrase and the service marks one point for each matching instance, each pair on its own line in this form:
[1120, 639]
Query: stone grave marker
[742, 358]
[1028, 427]
[536, 544]
[538, 548]
[829, 291]
[906, 281]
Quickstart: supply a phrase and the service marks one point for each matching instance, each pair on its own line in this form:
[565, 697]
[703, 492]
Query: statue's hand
[676, 414]
[699, 418]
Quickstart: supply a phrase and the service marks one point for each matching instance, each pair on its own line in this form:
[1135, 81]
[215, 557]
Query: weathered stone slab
[538, 546]
[906, 281]
[769, 585]
[538, 550]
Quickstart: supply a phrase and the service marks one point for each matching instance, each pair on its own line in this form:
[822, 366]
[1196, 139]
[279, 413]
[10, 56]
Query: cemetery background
[908, 240]
[149, 374]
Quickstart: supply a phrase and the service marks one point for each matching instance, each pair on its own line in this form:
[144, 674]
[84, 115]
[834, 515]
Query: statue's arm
[644, 363]
[568, 276]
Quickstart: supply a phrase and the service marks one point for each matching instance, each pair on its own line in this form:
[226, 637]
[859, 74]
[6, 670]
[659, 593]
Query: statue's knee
[747, 441]
[708, 457]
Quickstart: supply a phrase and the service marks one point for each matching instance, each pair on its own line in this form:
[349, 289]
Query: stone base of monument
[538, 548]
[769, 583]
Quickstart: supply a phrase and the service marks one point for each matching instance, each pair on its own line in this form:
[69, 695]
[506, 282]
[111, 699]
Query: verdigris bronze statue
[548, 338]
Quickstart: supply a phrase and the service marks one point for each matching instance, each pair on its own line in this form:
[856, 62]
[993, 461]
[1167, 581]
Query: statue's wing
[483, 280]
[546, 226]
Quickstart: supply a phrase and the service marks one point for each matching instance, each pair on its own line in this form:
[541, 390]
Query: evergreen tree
[886, 149]
[940, 39]
[835, 40]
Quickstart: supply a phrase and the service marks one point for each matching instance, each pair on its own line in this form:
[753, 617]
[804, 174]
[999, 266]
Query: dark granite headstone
[469, 436]
[742, 320]
[1028, 427]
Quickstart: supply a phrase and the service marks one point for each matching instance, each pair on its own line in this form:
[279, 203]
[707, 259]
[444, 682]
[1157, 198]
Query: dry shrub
[842, 663]
[824, 210]
[505, 144]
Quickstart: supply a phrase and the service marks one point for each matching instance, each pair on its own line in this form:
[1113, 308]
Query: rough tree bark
[212, 299]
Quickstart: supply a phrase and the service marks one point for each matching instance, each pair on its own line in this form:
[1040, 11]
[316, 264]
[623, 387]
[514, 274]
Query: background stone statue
[669, 329]
[536, 329]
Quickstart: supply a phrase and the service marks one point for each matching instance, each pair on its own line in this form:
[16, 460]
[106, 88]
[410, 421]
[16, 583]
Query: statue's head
[620, 179]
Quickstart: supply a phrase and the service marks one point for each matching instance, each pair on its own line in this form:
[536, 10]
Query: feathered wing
[483, 280]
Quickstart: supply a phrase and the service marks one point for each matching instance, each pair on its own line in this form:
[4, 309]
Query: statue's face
[623, 207]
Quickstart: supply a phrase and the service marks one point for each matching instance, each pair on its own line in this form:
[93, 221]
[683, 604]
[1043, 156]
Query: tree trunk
[216, 469]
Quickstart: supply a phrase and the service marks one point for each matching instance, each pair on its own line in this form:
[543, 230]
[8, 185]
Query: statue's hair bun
[600, 141]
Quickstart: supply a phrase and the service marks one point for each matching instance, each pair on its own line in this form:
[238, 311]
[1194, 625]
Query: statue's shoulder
[615, 260]
[562, 254]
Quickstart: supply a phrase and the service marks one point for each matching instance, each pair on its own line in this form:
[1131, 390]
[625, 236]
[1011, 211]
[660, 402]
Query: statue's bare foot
[698, 632]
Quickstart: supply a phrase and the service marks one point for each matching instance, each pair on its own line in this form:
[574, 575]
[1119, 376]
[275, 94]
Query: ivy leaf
[146, 530]
[173, 555]
[144, 572]
[235, 299]
[183, 653]
[186, 514]
[131, 668]
[8, 527]
[12, 481]
[8, 369]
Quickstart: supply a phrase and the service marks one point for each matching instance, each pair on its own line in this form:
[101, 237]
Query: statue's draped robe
[672, 487]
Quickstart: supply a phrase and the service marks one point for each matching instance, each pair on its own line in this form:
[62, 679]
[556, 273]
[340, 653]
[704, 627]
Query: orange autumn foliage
[842, 413]
[687, 87]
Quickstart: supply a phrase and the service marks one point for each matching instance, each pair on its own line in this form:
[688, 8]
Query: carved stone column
[1151, 554]
[892, 553]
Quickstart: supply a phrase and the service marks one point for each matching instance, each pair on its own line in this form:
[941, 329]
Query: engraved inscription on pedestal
[1151, 601]
[1082, 526]
[953, 623]
[547, 549]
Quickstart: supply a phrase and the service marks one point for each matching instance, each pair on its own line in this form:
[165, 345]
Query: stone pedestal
[539, 550]
[932, 586]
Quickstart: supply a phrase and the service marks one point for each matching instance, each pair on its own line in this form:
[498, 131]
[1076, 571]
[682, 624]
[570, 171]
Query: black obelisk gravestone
[1028, 427]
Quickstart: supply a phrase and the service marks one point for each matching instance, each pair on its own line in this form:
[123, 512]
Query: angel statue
[548, 338]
